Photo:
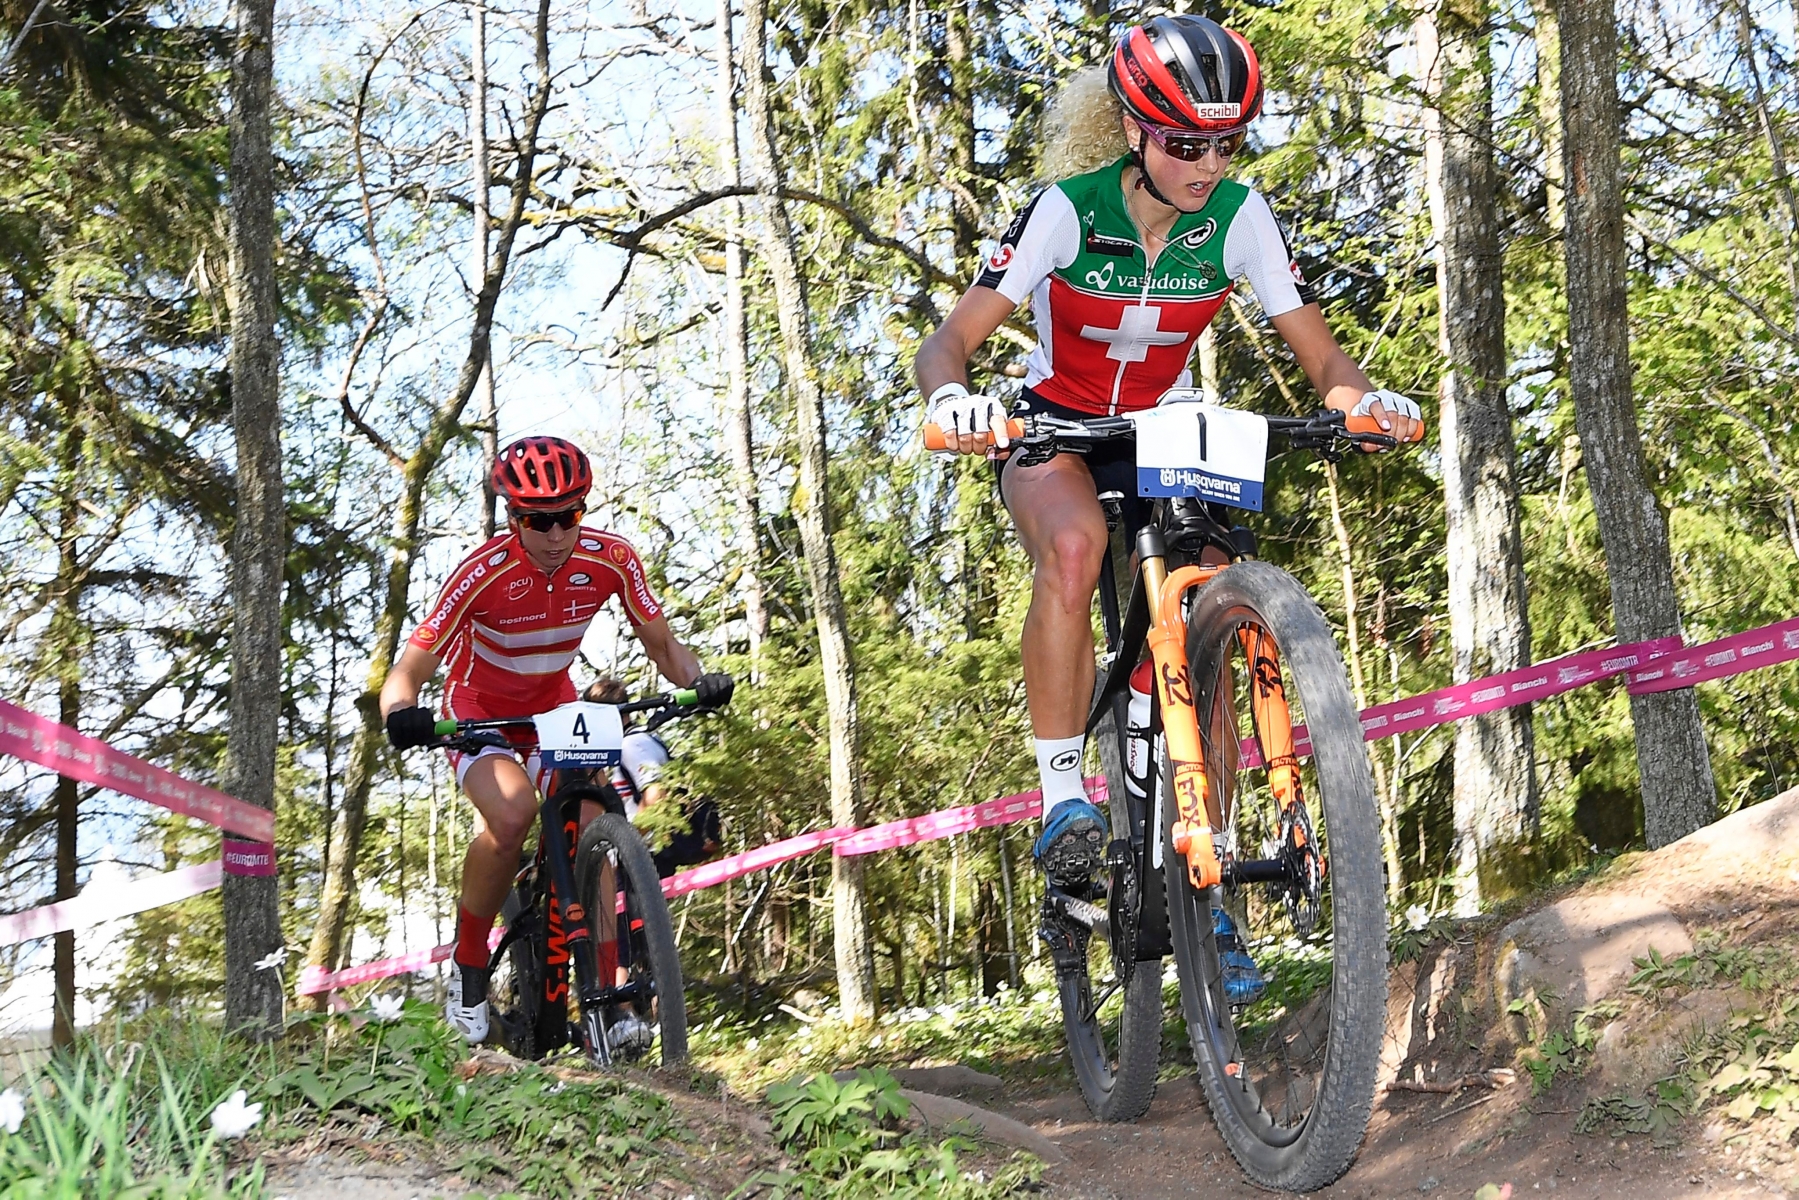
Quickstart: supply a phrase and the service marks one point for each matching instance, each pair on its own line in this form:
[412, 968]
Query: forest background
[580, 176]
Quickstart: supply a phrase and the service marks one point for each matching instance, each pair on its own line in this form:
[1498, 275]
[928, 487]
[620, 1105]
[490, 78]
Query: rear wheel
[618, 884]
[1289, 1074]
[1111, 999]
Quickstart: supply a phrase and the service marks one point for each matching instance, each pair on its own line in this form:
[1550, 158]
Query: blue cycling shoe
[1072, 845]
[1244, 982]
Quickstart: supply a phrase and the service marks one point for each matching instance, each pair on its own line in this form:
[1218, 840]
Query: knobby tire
[1117, 1081]
[1318, 1147]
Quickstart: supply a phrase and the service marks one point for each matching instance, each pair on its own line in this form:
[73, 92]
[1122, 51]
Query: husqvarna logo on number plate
[1189, 448]
[580, 735]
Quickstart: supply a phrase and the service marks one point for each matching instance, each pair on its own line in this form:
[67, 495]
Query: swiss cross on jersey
[1142, 322]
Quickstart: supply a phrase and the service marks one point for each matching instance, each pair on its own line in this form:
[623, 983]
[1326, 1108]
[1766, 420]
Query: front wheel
[1110, 986]
[618, 885]
[1287, 1049]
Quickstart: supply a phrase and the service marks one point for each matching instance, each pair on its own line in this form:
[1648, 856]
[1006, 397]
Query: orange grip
[933, 434]
[1370, 425]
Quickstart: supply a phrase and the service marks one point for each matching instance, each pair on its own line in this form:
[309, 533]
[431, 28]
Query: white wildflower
[1417, 917]
[233, 1118]
[274, 961]
[12, 1110]
[386, 1009]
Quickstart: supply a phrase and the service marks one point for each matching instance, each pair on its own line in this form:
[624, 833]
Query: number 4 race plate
[580, 735]
[1186, 448]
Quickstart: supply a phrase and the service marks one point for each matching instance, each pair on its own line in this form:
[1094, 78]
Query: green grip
[687, 696]
[444, 729]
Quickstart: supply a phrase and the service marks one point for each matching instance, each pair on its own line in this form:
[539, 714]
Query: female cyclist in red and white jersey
[1125, 260]
[508, 624]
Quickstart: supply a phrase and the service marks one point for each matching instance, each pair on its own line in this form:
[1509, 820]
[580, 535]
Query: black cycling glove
[714, 690]
[409, 727]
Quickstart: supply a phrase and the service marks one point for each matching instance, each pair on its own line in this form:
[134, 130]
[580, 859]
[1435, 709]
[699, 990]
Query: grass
[127, 1119]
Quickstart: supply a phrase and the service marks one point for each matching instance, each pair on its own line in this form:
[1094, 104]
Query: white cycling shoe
[628, 1034]
[468, 1020]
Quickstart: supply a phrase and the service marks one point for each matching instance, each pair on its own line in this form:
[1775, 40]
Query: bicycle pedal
[1118, 854]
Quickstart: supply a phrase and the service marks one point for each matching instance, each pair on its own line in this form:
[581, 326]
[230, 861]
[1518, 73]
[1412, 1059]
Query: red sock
[607, 954]
[471, 938]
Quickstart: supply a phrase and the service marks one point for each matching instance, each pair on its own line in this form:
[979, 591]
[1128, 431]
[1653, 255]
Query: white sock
[1059, 767]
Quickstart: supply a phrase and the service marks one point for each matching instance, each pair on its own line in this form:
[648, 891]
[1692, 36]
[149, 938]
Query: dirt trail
[1736, 882]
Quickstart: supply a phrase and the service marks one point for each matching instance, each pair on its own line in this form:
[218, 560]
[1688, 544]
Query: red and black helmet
[542, 473]
[1186, 72]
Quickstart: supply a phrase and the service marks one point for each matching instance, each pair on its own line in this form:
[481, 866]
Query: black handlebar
[1324, 431]
[473, 735]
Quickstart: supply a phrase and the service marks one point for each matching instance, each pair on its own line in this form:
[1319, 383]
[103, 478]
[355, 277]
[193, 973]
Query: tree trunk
[1679, 794]
[480, 180]
[739, 430]
[253, 1002]
[1776, 152]
[339, 885]
[1549, 112]
[855, 955]
[65, 642]
[1489, 619]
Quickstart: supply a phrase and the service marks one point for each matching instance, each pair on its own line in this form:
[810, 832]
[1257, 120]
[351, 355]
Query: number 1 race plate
[580, 735]
[1187, 448]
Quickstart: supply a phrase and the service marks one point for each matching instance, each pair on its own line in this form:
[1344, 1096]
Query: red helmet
[1186, 72]
[542, 473]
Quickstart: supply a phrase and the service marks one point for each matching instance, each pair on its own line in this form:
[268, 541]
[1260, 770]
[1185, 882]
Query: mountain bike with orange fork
[1242, 808]
[589, 898]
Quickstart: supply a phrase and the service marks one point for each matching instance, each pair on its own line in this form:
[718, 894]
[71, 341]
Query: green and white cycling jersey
[1112, 334]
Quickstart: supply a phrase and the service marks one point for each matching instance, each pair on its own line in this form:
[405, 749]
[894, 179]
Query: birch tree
[1679, 794]
[854, 951]
[1495, 799]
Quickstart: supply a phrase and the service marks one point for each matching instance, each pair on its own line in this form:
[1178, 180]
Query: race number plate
[1187, 448]
[580, 735]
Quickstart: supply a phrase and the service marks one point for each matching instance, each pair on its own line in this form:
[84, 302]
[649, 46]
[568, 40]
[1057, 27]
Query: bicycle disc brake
[1304, 891]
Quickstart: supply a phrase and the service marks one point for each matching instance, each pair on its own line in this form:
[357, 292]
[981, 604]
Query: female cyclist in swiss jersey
[1125, 260]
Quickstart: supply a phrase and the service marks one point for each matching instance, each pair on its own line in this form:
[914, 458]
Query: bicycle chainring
[1121, 909]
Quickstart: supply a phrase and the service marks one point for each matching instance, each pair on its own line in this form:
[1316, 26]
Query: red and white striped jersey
[507, 632]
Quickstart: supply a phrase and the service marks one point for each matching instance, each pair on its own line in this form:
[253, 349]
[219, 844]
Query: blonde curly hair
[1083, 127]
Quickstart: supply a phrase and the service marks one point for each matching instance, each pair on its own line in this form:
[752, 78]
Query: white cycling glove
[1393, 402]
[954, 410]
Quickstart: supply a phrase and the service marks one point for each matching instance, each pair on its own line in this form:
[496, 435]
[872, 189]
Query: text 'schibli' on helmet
[542, 473]
[1186, 72]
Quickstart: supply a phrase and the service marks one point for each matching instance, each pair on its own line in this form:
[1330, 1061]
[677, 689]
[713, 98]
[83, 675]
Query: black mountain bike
[583, 890]
[1232, 812]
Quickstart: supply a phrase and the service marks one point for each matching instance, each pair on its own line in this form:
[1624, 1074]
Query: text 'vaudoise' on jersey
[1112, 334]
[507, 632]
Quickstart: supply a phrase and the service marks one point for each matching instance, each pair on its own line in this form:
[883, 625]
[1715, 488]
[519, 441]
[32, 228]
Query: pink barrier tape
[113, 901]
[248, 858]
[951, 821]
[1732, 655]
[317, 979]
[26, 735]
[761, 858]
[1536, 682]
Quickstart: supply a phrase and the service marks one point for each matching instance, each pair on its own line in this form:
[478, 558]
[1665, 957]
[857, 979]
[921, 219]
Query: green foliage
[125, 1121]
[1711, 959]
[845, 1134]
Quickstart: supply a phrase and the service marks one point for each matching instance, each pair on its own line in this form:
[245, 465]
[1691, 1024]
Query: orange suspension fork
[1193, 830]
[1274, 719]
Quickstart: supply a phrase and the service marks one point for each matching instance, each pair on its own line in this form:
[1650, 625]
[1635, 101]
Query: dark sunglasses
[543, 522]
[1192, 147]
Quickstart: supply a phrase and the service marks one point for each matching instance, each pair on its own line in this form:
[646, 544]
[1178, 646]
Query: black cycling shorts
[1113, 465]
